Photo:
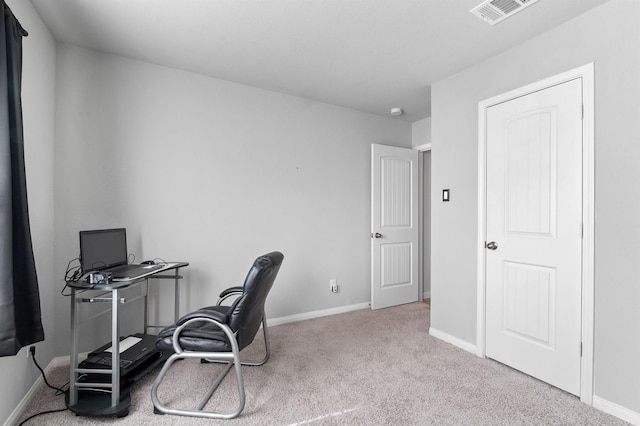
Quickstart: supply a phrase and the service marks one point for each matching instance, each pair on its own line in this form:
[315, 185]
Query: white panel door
[534, 231]
[394, 226]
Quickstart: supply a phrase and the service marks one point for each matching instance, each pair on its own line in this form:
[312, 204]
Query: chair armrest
[204, 314]
[230, 291]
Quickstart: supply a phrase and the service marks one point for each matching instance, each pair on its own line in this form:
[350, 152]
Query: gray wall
[197, 169]
[609, 36]
[215, 173]
[38, 80]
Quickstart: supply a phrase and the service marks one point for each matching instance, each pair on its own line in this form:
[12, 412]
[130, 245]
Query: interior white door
[394, 226]
[534, 231]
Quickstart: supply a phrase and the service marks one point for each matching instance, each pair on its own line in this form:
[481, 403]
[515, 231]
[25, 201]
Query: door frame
[586, 73]
[422, 149]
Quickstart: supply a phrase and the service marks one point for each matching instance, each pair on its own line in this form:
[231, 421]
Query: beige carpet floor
[358, 368]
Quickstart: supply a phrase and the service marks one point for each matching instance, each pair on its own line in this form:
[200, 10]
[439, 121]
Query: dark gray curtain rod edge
[7, 8]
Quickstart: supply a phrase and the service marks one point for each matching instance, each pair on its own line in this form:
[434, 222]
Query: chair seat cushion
[199, 336]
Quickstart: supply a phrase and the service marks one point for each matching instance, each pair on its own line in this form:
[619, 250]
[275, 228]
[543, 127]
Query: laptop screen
[103, 248]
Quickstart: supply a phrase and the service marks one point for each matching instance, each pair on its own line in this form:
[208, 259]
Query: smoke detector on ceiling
[494, 11]
[396, 112]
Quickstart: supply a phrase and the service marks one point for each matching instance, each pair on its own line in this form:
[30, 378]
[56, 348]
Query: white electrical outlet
[333, 285]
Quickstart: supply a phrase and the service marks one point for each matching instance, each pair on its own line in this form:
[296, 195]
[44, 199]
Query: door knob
[492, 245]
[376, 235]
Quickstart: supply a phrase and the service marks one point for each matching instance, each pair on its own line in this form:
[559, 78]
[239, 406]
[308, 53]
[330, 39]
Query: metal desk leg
[177, 295]
[146, 306]
[73, 362]
[115, 349]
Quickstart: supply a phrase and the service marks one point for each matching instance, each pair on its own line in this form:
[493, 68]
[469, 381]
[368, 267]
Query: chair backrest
[245, 315]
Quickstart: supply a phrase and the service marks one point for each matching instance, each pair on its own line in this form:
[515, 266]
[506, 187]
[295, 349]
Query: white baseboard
[24, 402]
[598, 403]
[317, 314]
[469, 347]
[426, 295]
[616, 410]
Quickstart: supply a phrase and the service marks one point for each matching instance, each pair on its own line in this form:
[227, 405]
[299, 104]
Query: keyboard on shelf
[106, 361]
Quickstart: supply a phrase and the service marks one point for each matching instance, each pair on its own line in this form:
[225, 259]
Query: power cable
[59, 391]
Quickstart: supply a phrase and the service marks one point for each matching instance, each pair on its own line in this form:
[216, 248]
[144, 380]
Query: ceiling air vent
[494, 11]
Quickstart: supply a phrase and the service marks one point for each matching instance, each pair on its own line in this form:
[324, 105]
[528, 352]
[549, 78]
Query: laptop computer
[105, 250]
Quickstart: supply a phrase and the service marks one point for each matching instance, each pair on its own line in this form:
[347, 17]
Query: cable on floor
[59, 391]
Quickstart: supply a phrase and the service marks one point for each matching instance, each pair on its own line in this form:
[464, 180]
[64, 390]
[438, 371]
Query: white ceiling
[369, 55]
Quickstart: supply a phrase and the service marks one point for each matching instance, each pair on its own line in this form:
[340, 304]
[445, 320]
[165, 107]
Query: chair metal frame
[231, 359]
[237, 291]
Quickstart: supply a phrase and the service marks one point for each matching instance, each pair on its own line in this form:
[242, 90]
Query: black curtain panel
[20, 321]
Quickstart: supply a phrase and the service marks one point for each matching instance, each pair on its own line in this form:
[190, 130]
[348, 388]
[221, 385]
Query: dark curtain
[20, 322]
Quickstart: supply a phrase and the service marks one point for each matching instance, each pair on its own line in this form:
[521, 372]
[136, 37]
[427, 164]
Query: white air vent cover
[494, 11]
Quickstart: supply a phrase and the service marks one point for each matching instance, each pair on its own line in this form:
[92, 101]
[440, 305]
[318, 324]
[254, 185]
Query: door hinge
[582, 112]
[581, 230]
[580, 349]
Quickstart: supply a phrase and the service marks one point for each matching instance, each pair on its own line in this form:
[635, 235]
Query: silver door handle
[376, 235]
[492, 245]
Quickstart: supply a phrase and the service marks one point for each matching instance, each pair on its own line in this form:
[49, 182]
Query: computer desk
[117, 407]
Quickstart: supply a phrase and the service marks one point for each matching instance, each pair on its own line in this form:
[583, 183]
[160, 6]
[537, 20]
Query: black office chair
[218, 334]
